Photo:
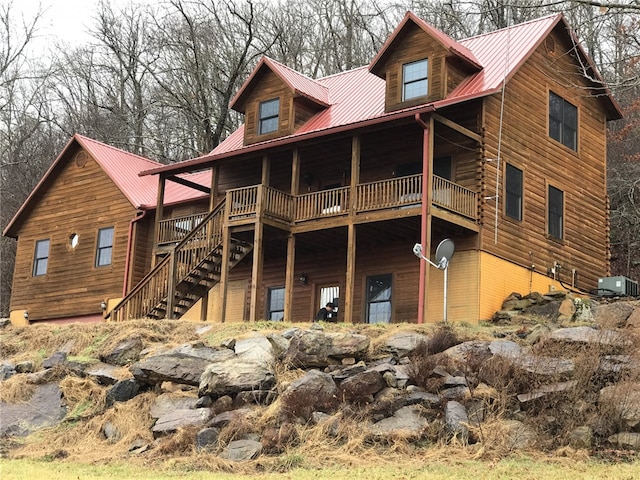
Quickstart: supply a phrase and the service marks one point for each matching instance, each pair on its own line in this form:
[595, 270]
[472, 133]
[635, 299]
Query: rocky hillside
[550, 373]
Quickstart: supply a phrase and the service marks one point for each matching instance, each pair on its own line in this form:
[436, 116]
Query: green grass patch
[445, 469]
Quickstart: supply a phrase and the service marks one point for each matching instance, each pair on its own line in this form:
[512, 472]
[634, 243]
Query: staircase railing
[186, 255]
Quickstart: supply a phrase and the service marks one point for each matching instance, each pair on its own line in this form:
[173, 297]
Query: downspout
[424, 213]
[140, 215]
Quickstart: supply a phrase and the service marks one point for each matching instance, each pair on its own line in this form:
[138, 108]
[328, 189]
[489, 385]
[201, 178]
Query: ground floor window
[276, 304]
[105, 247]
[330, 294]
[379, 299]
[41, 257]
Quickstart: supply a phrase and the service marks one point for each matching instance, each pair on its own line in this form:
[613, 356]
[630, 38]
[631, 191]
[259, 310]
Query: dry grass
[16, 389]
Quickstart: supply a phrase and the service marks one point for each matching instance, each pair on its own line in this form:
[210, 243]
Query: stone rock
[290, 332]
[103, 373]
[314, 391]
[24, 367]
[122, 391]
[402, 344]
[615, 314]
[225, 418]
[57, 358]
[624, 397]
[517, 436]
[591, 336]
[175, 419]
[390, 379]
[204, 329]
[169, 402]
[537, 332]
[350, 370]
[207, 438]
[315, 348]
[634, 319]
[258, 349]
[242, 450]
[7, 370]
[456, 420]
[43, 376]
[236, 375]
[198, 350]
[581, 437]
[545, 390]
[229, 343]
[567, 309]
[4, 322]
[110, 432]
[204, 402]
[279, 343]
[619, 364]
[405, 422]
[176, 368]
[125, 352]
[254, 397]
[360, 386]
[461, 354]
[44, 409]
[522, 358]
[549, 310]
[628, 440]
[222, 404]
[451, 381]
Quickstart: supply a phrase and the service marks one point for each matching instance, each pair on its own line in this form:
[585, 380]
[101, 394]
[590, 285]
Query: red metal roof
[357, 97]
[123, 168]
[300, 84]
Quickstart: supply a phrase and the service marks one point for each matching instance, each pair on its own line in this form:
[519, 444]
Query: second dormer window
[414, 80]
[269, 114]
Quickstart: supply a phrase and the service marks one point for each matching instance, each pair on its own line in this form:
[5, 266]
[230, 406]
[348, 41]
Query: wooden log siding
[579, 174]
[192, 250]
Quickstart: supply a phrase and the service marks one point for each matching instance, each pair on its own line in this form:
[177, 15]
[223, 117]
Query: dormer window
[269, 116]
[415, 80]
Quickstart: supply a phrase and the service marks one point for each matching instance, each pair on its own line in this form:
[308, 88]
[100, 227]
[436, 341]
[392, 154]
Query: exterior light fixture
[303, 279]
[26, 315]
[103, 305]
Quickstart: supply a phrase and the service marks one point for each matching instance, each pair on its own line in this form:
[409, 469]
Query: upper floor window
[555, 212]
[269, 115]
[41, 257]
[513, 192]
[563, 121]
[414, 79]
[105, 247]
[276, 304]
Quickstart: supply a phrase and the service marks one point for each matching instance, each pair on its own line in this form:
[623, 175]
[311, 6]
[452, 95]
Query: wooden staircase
[185, 275]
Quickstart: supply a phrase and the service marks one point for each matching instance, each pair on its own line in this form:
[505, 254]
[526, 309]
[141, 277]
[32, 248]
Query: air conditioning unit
[614, 286]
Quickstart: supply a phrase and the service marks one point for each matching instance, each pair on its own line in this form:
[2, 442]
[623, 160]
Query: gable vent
[550, 45]
[81, 159]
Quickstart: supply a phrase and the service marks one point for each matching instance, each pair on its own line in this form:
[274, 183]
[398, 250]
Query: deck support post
[289, 281]
[171, 285]
[256, 271]
[347, 304]
[425, 222]
[224, 261]
[159, 214]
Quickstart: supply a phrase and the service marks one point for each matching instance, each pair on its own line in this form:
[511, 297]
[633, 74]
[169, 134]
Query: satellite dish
[444, 252]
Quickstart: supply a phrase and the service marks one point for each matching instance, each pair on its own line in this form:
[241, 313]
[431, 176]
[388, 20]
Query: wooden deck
[247, 203]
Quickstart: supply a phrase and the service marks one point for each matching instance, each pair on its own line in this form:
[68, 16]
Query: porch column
[159, 213]
[215, 180]
[224, 263]
[266, 170]
[347, 306]
[289, 281]
[256, 271]
[295, 171]
[171, 285]
[425, 222]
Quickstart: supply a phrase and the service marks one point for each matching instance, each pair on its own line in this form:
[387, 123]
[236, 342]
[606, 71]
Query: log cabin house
[85, 233]
[497, 142]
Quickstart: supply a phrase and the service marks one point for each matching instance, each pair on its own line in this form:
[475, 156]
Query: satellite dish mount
[444, 252]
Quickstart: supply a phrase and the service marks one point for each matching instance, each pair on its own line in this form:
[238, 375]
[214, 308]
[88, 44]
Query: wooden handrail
[187, 254]
[326, 203]
[454, 197]
[172, 230]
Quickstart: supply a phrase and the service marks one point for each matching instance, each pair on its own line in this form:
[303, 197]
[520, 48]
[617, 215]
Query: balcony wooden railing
[173, 230]
[326, 203]
[390, 193]
[454, 197]
[256, 200]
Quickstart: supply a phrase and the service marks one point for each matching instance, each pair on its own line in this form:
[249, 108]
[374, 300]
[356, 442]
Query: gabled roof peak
[445, 40]
[299, 83]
